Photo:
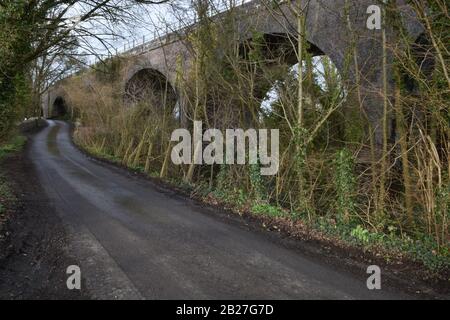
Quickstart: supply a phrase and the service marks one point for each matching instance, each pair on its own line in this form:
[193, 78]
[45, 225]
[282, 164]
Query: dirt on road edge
[33, 241]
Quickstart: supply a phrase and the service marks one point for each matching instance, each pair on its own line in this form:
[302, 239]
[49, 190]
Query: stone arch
[281, 48]
[325, 26]
[278, 43]
[316, 94]
[55, 102]
[59, 107]
[147, 84]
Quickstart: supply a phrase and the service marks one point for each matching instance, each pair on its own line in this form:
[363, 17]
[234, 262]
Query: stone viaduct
[327, 31]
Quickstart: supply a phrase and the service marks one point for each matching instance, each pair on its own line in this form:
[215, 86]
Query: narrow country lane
[134, 241]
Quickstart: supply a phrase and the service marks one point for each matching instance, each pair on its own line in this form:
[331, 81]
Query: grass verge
[15, 144]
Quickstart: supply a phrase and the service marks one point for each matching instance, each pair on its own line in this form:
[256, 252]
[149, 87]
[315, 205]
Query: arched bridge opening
[276, 89]
[59, 108]
[150, 90]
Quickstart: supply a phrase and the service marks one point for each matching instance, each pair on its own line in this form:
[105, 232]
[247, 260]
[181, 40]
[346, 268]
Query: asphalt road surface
[134, 241]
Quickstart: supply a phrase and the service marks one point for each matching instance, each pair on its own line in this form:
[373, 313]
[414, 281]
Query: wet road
[135, 242]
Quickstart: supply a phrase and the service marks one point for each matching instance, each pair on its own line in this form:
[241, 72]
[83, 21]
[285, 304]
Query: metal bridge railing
[152, 39]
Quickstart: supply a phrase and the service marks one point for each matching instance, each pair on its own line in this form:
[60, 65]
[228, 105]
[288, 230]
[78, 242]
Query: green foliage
[256, 45]
[235, 197]
[97, 151]
[269, 210]
[361, 234]
[14, 96]
[15, 31]
[222, 179]
[345, 183]
[443, 203]
[14, 145]
[303, 205]
[256, 182]
[423, 249]
[301, 134]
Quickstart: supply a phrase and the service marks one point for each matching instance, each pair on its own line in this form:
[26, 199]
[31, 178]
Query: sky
[145, 23]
